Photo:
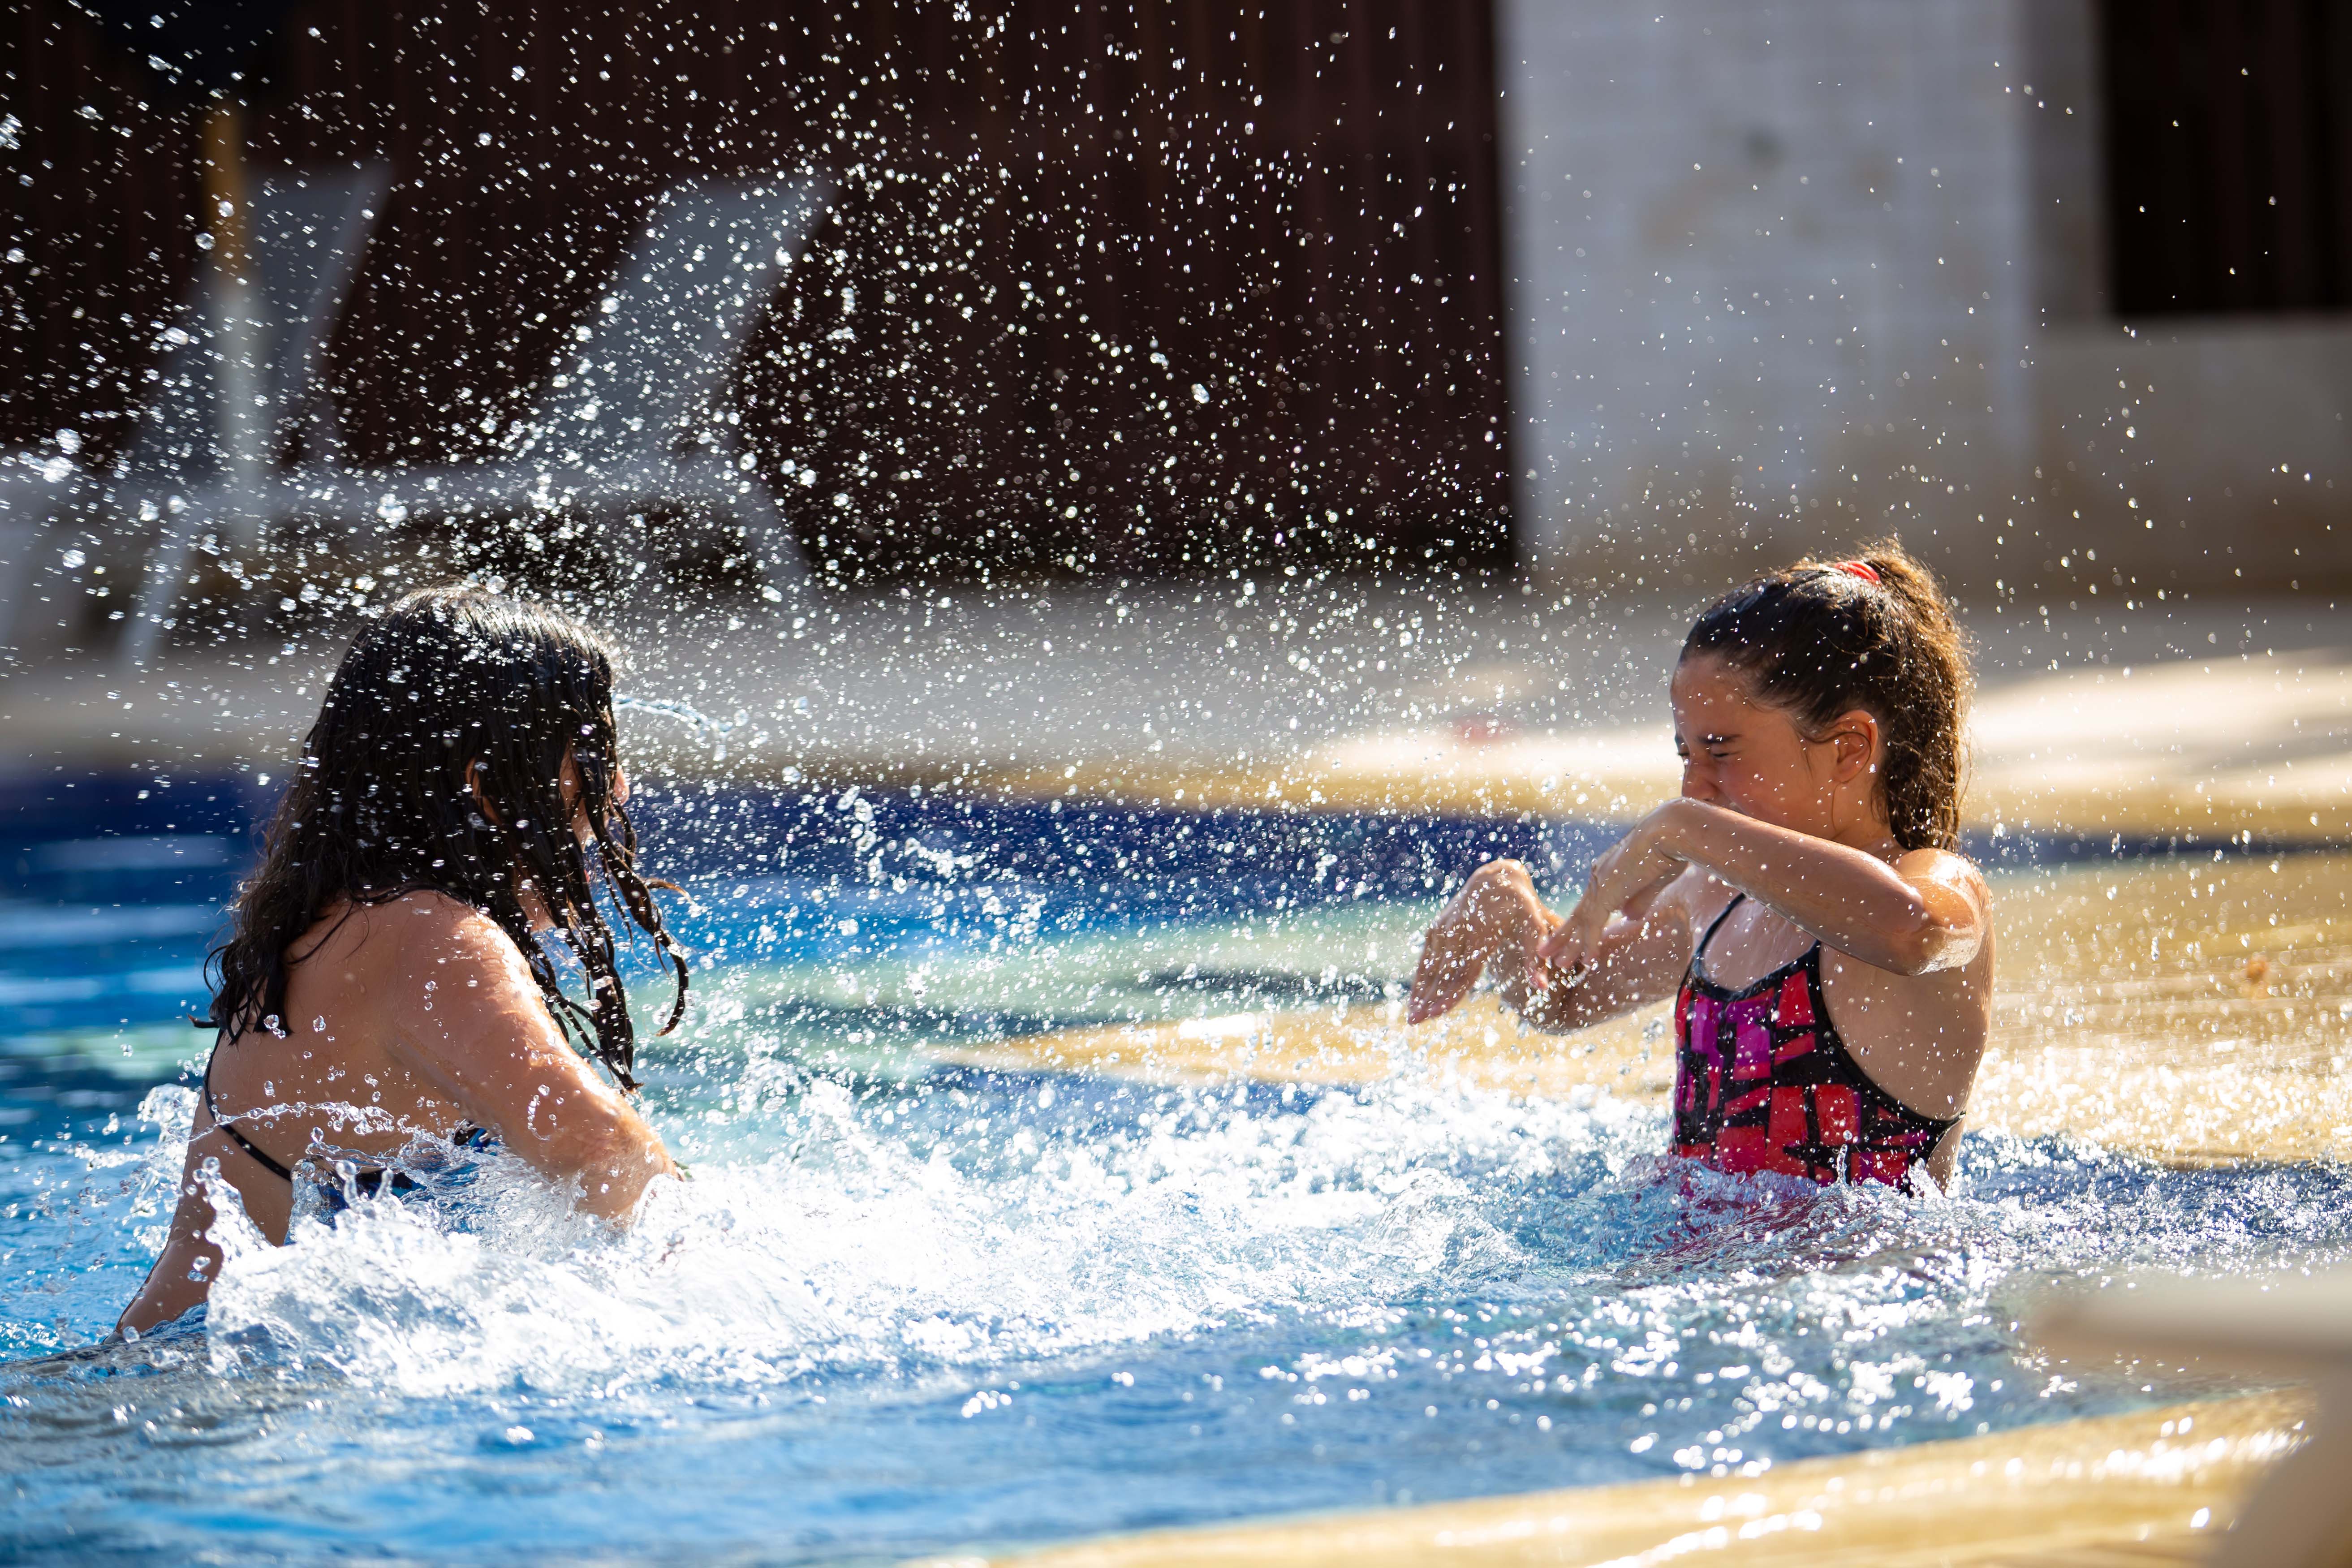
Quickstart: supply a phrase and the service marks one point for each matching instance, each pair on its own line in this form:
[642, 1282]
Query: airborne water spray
[713, 732]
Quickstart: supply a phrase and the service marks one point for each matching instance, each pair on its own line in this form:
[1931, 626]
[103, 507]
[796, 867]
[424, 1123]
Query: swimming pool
[910, 1303]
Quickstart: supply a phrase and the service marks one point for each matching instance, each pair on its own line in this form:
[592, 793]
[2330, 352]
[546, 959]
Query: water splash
[711, 731]
[934, 1235]
[905, 1305]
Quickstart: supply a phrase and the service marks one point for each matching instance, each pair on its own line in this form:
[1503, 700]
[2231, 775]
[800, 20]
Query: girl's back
[392, 976]
[351, 1072]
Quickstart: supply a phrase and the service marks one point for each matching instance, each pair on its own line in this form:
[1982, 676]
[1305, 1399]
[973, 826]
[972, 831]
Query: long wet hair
[454, 688]
[1822, 638]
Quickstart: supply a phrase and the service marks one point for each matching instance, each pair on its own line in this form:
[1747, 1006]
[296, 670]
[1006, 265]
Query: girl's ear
[570, 786]
[1855, 734]
[474, 771]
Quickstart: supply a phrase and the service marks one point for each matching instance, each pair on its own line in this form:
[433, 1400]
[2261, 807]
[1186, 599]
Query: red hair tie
[1862, 569]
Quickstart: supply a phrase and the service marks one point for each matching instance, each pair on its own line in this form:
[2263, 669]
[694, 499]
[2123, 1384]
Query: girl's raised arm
[1926, 910]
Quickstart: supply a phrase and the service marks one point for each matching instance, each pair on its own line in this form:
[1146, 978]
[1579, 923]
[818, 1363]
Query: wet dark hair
[1820, 639]
[382, 805]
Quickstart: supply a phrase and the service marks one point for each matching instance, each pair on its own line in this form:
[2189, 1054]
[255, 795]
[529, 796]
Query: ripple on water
[933, 1310]
[903, 1307]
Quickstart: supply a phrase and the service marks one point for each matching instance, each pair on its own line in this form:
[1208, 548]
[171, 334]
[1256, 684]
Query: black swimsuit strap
[1715, 925]
[260, 1155]
[1809, 959]
[466, 1132]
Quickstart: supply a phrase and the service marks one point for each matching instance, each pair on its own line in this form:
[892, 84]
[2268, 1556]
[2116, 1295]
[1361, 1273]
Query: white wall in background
[1785, 275]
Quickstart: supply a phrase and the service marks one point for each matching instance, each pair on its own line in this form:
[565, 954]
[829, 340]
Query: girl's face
[1751, 758]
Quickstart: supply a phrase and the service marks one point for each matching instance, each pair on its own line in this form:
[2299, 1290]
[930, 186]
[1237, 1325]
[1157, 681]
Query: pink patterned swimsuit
[1763, 1083]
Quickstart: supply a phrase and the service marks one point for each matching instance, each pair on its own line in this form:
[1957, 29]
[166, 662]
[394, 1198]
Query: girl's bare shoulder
[419, 927]
[1947, 869]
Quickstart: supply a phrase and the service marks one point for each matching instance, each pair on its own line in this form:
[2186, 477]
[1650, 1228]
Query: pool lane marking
[2227, 1113]
[2193, 1012]
[2152, 1482]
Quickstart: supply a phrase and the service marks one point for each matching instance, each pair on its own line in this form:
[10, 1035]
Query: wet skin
[418, 1014]
[1799, 824]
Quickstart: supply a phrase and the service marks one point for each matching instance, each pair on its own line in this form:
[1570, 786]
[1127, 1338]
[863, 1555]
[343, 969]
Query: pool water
[906, 1306]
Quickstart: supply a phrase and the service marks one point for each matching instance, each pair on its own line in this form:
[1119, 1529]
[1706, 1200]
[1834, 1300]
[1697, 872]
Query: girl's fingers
[1432, 1001]
[1449, 966]
[1496, 919]
[1573, 937]
[1579, 937]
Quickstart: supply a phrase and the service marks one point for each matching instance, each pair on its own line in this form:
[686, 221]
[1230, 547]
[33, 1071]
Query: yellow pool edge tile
[2012, 1497]
[2133, 1109]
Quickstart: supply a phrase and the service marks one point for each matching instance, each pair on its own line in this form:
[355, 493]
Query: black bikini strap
[1716, 925]
[260, 1157]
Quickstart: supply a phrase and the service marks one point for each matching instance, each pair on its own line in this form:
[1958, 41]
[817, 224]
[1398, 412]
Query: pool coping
[2157, 1481]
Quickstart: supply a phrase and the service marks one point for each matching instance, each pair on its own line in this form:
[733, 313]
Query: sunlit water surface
[902, 1307]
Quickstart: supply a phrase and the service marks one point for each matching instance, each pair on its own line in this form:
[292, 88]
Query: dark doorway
[2228, 129]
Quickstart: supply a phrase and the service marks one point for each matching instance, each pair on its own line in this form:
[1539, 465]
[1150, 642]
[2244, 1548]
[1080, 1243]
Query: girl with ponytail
[1829, 950]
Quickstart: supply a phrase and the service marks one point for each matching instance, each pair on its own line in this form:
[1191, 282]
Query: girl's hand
[1495, 918]
[1636, 869]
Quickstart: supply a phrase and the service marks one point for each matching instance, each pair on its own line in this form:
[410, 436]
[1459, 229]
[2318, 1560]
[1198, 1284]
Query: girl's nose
[1697, 783]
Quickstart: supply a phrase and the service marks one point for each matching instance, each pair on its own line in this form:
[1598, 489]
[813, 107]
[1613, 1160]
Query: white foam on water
[929, 1238]
[863, 1251]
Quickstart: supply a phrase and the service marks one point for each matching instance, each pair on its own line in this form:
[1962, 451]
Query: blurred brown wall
[1293, 205]
[1784, 277]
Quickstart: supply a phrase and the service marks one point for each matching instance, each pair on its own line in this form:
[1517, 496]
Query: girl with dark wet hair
[1828, 951]
[391, 996]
